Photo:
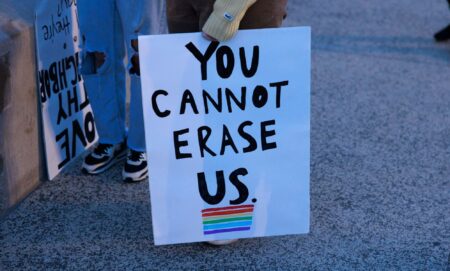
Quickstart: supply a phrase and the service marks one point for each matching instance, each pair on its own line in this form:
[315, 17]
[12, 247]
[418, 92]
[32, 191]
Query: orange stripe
[227, 208]
[228, 212]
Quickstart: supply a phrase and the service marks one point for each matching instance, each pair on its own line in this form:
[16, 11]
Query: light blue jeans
[108, 27]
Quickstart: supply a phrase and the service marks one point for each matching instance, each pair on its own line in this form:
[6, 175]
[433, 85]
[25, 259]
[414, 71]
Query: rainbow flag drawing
[227, 219]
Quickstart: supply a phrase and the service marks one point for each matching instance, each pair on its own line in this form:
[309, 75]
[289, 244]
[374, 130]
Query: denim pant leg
[100, 25]
[138, 17]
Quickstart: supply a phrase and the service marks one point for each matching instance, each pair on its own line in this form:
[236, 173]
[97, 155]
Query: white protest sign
[228, 134]
[67, 118]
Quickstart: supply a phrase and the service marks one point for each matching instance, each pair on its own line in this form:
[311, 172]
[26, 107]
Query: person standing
[110, 29]
[219, 20]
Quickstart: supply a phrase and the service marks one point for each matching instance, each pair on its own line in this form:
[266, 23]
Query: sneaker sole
[142, 177]
[106, 166]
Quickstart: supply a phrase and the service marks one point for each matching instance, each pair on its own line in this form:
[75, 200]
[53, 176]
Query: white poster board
[228, 134]
[67, 118]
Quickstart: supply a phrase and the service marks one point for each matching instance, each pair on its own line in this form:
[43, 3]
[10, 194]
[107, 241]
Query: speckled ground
[380, 190]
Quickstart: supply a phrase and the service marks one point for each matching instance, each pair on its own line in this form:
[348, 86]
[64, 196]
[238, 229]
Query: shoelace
[135, 156]
[102, 149]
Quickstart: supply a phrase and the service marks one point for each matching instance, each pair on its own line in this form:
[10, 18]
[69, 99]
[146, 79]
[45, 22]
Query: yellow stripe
[209, 218]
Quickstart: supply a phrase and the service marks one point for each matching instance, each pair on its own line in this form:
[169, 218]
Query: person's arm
[224, 21]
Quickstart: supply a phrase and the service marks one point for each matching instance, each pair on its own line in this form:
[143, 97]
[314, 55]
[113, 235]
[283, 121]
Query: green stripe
[227, 220]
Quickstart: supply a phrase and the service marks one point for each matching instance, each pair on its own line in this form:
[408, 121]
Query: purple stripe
[227, 230]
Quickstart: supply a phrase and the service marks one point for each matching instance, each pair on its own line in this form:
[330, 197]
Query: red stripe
[229, 212]
[227, 208]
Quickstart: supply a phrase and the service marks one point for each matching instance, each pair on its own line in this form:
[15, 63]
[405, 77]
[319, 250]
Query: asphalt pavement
[380, 165]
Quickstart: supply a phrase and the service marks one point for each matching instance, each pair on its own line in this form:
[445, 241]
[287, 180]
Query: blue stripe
[227, 230]
[227, 225]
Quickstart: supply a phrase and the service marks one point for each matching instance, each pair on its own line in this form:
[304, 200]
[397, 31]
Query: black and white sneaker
[103, 157]
[135, 169]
